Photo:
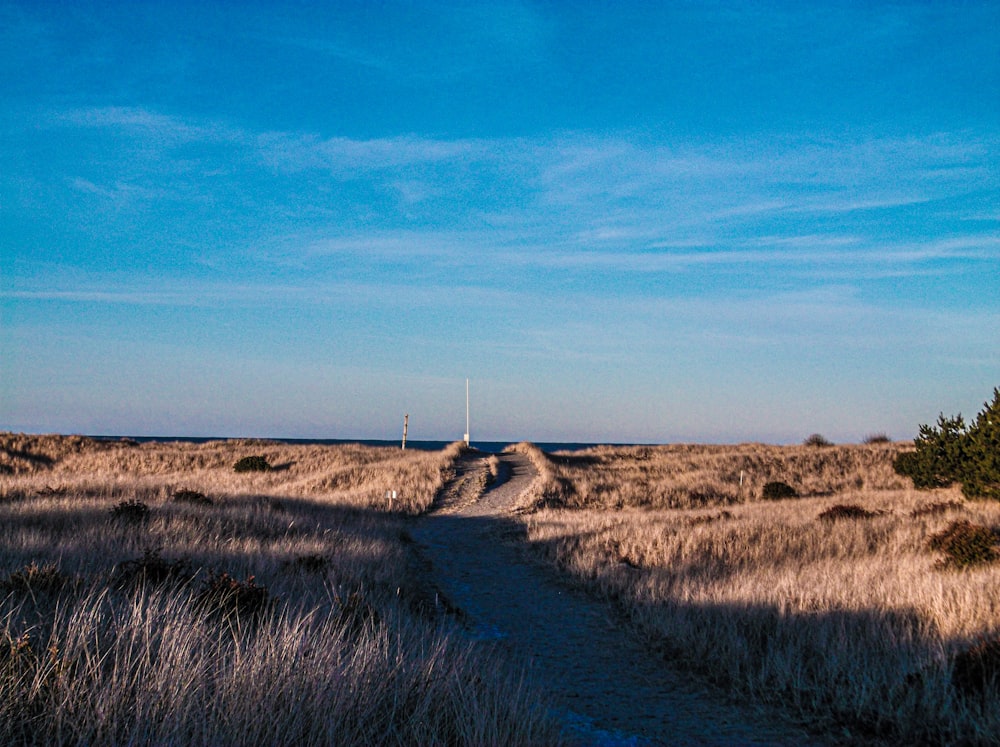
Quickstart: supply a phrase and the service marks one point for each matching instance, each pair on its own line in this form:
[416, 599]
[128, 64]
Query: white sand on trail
[606, 686]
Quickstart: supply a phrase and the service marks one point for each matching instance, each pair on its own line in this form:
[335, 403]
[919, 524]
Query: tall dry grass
[691, 475]
[854, 624]
[286, 607]
[348, 475]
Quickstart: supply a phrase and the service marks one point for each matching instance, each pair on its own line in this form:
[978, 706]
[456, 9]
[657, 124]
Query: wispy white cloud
[573, 202]
[293, 153]
[157, 128]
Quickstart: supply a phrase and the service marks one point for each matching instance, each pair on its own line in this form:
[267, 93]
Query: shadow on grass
[37, 460]
[883, 673]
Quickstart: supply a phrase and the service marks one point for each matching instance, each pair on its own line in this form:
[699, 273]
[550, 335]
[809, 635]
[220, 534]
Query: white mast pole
[466, 412]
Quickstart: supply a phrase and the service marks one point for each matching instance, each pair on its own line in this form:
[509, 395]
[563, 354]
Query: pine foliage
[952, 451]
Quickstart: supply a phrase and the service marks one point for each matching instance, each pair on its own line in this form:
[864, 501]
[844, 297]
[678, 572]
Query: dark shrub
[775, 491]
[817, 440]
[877, 438]
[35, 578]
[977, 669]
[192, 496]
[130, 511]
[308, 563]
[252, 464]
[153, 569]
[847, 511]
[965, 544]
[223, 595]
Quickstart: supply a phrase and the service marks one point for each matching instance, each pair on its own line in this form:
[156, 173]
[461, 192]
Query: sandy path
[607, 688]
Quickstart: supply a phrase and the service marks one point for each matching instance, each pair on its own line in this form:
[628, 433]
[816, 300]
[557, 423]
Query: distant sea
[491, 447]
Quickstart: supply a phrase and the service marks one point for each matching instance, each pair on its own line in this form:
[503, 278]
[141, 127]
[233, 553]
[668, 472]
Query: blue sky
[638, 222]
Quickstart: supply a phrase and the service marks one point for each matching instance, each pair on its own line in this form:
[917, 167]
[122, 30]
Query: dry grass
[692, 476]
[855, 624]
[346, 475]
[282, 607]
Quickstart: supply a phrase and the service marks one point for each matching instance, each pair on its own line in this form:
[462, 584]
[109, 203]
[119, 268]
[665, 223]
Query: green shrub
[965, 544]
[777, 490]
[939, 456]
[817, 439]
[951, 452]
[981, 473]
[252, 464]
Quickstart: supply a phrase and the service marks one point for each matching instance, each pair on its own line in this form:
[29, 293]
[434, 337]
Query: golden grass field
[853, 623]
[151, 595]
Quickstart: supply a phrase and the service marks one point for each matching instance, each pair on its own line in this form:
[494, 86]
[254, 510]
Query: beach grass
[152, 594]
[839, 604]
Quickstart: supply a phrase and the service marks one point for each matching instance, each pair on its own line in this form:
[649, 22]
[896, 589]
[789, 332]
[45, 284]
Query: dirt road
[607, 688]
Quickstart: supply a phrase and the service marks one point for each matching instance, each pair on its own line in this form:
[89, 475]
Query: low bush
[976, 670]
[34, 578]
[817, 439]
[133, 511]
[777, 490]
[965, 544]
[877, 438]
[223, 595]
[308, 563]
[252, 464]
[192, 496]
[847, 511]
[152, 568]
